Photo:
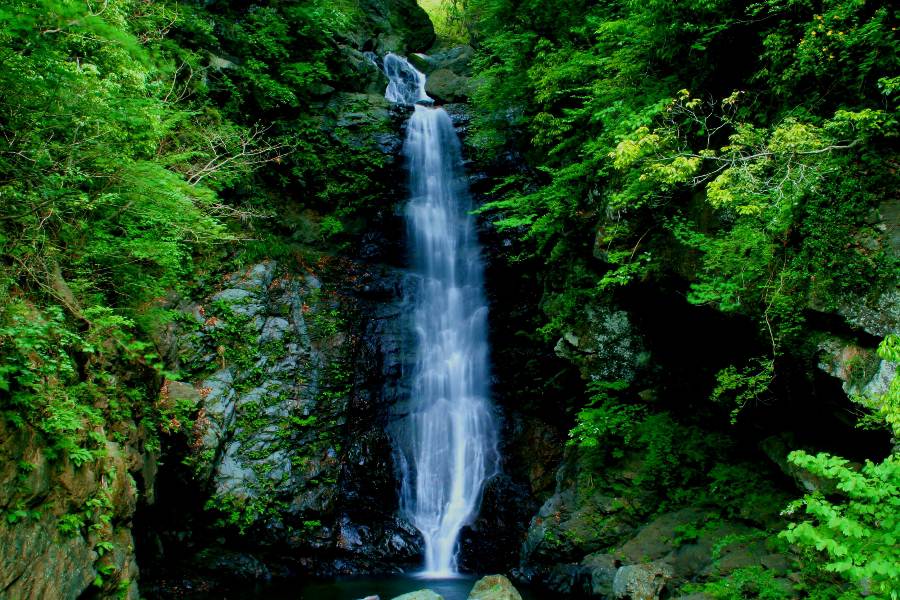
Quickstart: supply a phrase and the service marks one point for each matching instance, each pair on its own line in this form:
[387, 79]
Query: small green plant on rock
[747, 582]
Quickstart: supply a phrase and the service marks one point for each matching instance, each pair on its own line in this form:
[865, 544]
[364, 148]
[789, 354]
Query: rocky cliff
[67, 526]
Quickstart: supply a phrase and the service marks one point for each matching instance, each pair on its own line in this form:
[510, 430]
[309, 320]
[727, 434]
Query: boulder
[600, 571]
[690, 559]
[605, 346]
[657, 538]
[400, 26]
[865, 377]
[494, 587]
[446, 86]
[740, 554]
[420, 595]
[571, 524]
[413, 23]
[458, 60]
[642, 581]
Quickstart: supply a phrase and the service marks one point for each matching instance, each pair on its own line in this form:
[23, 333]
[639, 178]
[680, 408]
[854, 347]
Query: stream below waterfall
[355, 588]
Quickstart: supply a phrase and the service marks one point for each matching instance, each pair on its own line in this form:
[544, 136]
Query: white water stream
[447, 443]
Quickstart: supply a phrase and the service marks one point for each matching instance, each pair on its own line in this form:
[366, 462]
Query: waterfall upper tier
[406, 85]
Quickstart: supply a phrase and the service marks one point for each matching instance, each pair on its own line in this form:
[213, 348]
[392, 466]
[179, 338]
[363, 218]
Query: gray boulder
[600, 571]
[606, 345]
[642, 582]
[420, 595]
[494, 587]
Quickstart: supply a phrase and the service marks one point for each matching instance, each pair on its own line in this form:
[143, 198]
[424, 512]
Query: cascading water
[406, 85]
[447, 442]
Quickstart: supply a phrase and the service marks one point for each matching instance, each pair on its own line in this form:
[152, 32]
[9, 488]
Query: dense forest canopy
[132, 163]
[756, 138]
[742, 156]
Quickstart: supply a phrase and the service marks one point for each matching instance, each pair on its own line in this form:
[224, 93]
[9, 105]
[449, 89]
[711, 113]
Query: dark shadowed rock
[572, 524]
[493, 541]
[400, 26]
[600, 572]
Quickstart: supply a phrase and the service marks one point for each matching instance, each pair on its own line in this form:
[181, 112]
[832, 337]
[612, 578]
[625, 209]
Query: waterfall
[447, 442]
[406, 85]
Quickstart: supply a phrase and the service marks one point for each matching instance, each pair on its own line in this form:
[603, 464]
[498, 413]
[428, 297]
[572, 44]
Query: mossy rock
[420, 595]
[447, 86]
[494, 587]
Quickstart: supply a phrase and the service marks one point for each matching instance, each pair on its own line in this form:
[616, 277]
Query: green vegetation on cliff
[147, 149]
[130, 152]
[745, 155]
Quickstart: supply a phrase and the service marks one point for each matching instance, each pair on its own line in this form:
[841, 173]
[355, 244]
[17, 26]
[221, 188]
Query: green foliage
[623, 158]
[857, 534]
[242, 513]
[746, 582]
[674, 456]
[19, 512]
[70, 524]
[450, 19]
[41, 379]
[744, 386]
[606, 422]
[134, 154]
[766, 176]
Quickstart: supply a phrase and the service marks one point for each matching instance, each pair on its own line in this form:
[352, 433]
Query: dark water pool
[353, 588]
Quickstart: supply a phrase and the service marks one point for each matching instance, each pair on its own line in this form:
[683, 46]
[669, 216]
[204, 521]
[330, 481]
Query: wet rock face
[271, 342]
[571, 524]
[51, 546]
[606, 346]
[492, 542]
[297, 367]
